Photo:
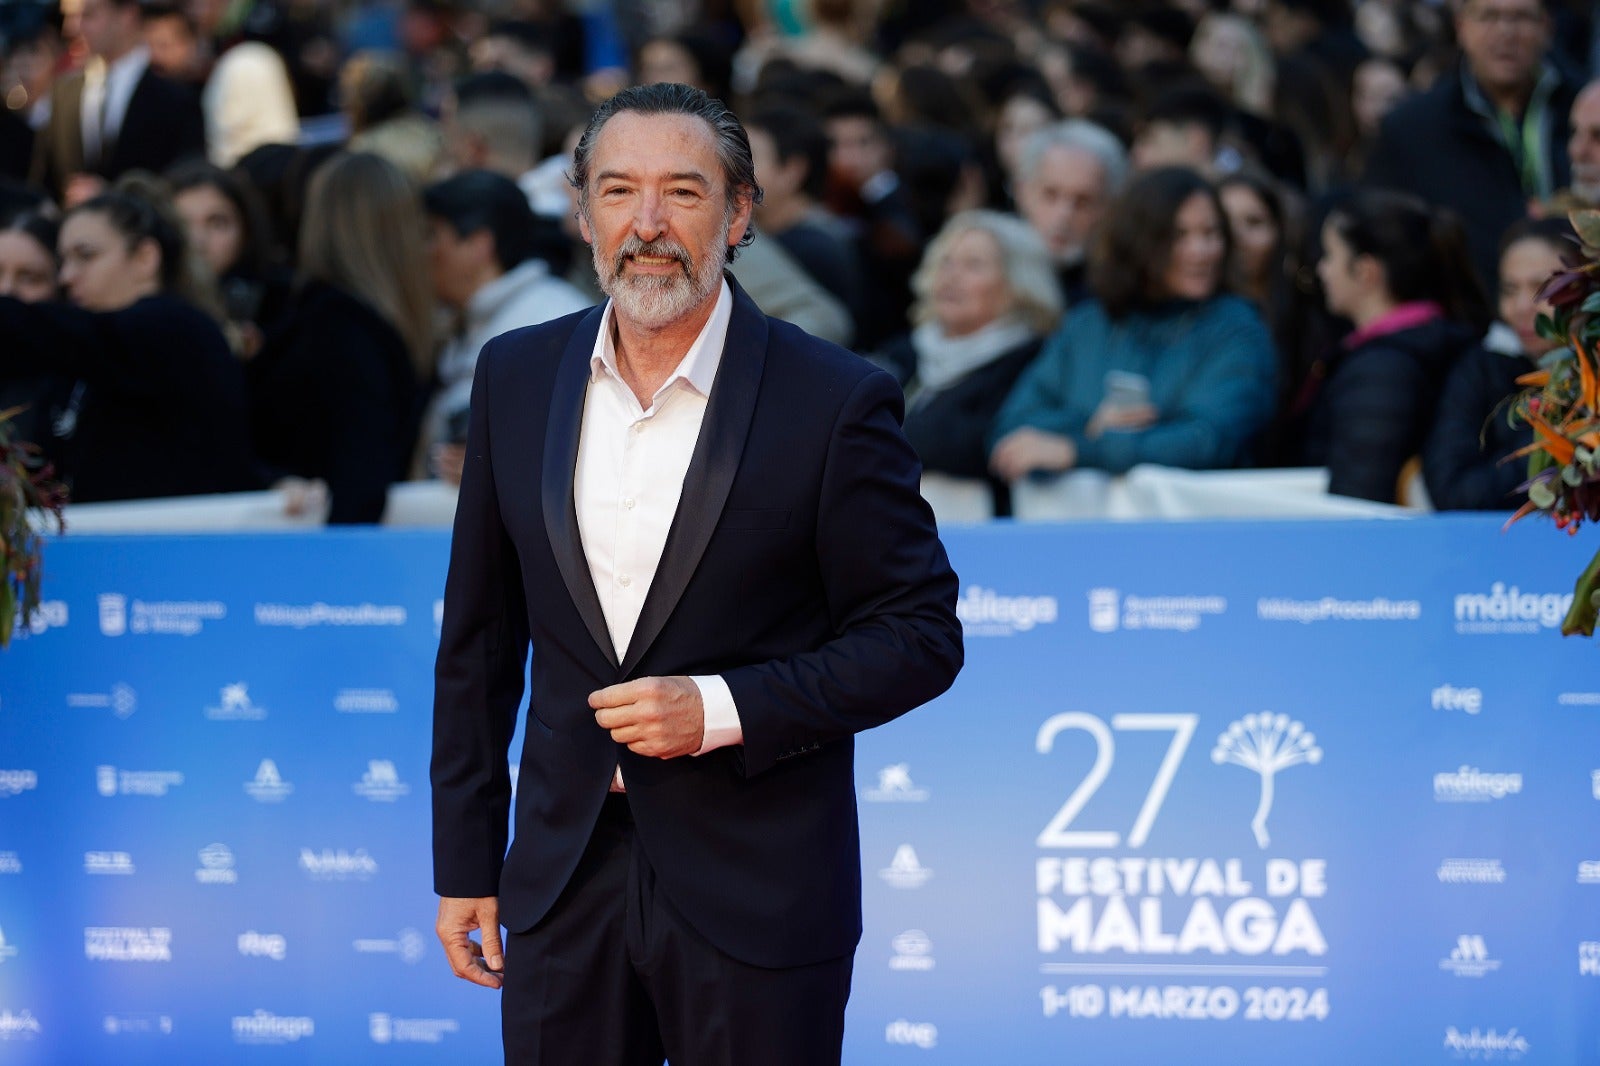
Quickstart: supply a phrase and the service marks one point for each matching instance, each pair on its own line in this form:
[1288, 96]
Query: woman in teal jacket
[1162, 366]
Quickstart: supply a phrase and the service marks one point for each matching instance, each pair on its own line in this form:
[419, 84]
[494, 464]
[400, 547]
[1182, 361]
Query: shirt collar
[698, 370]
[492, 296]
[1402, 316]
[1544, 86]
[130, 68]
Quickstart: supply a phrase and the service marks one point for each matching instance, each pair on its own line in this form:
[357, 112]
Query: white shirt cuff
[722, 717]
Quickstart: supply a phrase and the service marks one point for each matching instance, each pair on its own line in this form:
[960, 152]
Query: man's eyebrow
[679, 175]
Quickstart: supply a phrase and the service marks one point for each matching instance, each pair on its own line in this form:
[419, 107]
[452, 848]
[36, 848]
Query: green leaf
[1591, 304]
[1545, 327]
[1572, 474]
[8, 609]
[1587, 223]
[1585, 602]
[1541, 495]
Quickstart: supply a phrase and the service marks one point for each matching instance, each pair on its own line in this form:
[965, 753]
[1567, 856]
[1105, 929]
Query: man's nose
[650, 219]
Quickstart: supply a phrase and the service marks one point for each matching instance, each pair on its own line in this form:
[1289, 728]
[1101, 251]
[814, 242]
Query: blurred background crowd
[252, 243]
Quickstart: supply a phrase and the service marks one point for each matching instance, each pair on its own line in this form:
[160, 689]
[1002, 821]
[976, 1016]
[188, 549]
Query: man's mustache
[659, 248]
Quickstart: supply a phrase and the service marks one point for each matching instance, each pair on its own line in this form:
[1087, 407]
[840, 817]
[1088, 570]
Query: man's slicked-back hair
[668, 98]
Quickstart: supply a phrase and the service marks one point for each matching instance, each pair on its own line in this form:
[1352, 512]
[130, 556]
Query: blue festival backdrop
[1204, 793]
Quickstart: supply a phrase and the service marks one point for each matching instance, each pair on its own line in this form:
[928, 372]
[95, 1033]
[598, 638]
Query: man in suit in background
[706, 525]
[116, 114]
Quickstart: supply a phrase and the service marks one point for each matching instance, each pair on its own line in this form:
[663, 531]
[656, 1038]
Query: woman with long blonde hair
[336, 391]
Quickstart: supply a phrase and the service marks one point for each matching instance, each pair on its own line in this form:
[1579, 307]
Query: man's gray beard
[657, 300]
[1588, 192]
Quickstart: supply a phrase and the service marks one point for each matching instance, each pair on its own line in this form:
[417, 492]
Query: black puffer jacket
[1376, 405]
[1462, 460]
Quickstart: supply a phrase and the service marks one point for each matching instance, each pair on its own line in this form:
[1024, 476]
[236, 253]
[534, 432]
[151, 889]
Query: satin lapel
[711, 469]
[556, 483]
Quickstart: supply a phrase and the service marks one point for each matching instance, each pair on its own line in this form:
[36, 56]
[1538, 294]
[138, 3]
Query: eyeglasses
[1516, 19]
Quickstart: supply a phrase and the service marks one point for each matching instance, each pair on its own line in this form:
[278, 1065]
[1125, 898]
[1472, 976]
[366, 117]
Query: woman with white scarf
[985, 298]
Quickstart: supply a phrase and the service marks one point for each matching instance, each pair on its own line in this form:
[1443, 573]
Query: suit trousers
[614, 976]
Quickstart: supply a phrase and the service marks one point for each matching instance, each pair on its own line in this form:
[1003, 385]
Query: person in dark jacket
[1488, 137]
[158, 408]
[335, 394]
[985, 299]
[1397, 270]
[1464, 462]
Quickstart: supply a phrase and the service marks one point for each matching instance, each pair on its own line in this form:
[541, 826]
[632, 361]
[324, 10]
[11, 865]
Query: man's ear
[743, 204]
[583, 226]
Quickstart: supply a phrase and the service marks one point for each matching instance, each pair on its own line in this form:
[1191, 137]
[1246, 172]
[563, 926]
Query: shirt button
[628, 503]
[638, 427]
[625, 581]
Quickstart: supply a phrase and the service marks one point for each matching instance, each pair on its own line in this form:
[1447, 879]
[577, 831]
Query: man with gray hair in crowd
[1068, 174]
[491, 122]
[1583, 148]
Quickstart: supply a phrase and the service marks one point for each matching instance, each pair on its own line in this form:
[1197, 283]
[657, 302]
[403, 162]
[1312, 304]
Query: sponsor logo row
[217, 865]
[234, 702]
[983, 611]
[988, 612]
[257, 1027]
[154, 944]
[121, 615]
[380, 783]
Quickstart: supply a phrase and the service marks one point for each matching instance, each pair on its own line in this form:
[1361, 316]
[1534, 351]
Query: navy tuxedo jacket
[802, 566]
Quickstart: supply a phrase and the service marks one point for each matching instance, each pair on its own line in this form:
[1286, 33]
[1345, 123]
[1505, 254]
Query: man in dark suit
[706, 525]
[116, 114]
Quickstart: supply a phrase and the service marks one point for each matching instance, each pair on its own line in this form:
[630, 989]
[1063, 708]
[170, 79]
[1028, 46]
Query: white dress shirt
[107, 91]
[627, 485]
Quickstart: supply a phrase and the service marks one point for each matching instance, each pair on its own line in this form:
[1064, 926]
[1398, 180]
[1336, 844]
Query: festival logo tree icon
[1266, 743]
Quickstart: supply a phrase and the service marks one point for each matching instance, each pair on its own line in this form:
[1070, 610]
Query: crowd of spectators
[252, 243]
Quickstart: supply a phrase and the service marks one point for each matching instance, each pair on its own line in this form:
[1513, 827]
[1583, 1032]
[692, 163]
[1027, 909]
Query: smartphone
[1126, 389]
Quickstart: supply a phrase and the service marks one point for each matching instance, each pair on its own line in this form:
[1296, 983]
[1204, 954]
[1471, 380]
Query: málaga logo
[985, 613]
[1510, 610]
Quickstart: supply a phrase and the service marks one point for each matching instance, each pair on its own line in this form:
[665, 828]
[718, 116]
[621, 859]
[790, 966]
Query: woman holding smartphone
[1162, 365]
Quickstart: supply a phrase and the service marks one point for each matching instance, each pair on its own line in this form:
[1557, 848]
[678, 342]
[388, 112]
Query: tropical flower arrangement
[1561, 403]
[31, 501]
